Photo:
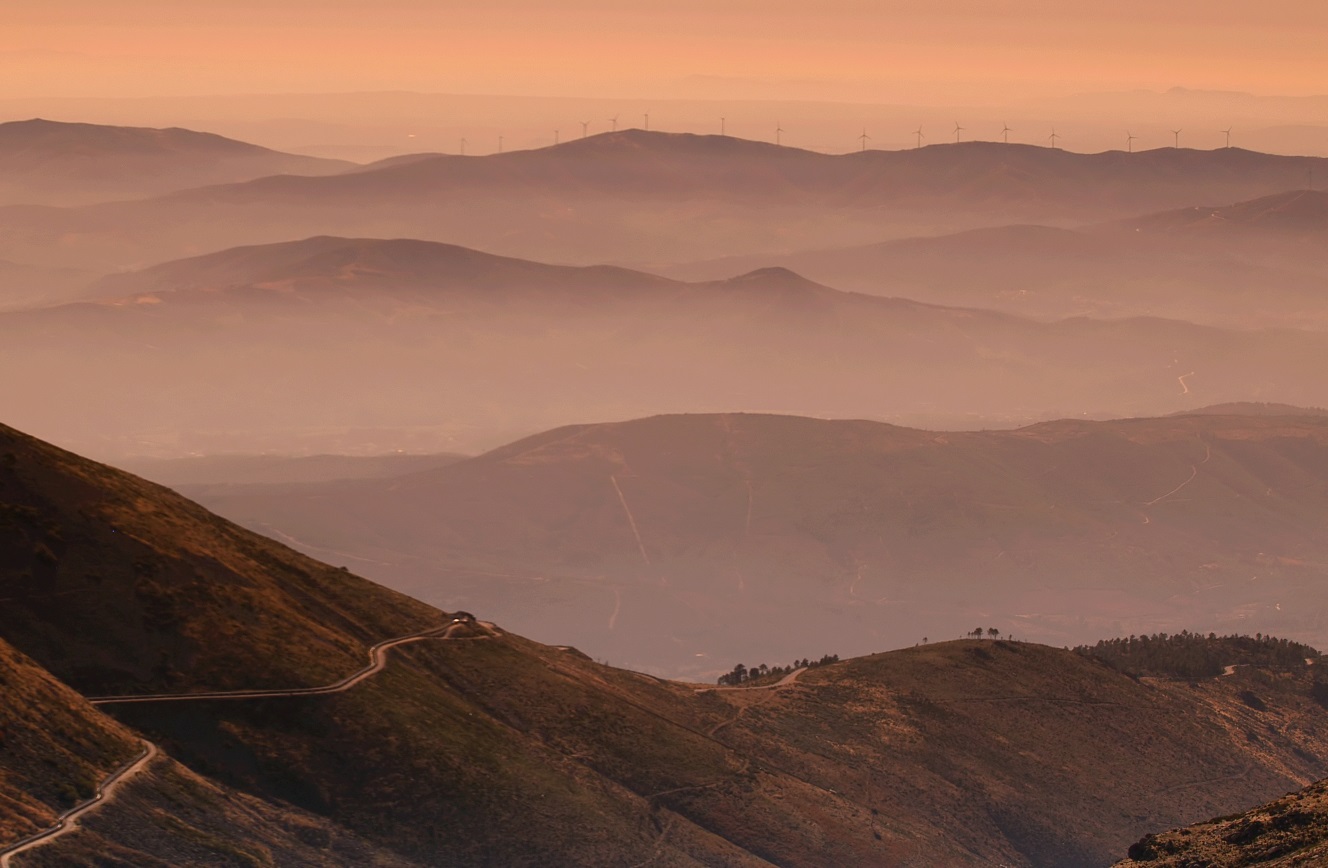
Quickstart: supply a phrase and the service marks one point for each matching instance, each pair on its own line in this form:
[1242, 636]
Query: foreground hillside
[366, 345]
[781, 537]
[55, 749]
[120, 586]
[480, 747]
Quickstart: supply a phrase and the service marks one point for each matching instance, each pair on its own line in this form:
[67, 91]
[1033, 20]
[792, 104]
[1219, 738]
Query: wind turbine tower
[722, 131]
[500, 144]
[585, 128]
[1129, 142]
[918, 133]
[647, 121]
[1005, 133]
[779, 133]
[863, 138]
[1053, 138]
[555, 137]
[1227, 133]
[958, 130]
[463, 147]
[614, 120]
[1176, 133]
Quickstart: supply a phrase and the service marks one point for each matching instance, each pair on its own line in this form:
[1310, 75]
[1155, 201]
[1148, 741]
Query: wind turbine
[500, 144]
[779, 132]
[1176, 133]
[1053, 137]
[647, 121]
[614, 120]
[585, 128]
[1129, 142]
[918, 133]
[463, 147]
[958, 130]
[721, 127]
[1005, 133]
[863, 138]
[555, 137]
[1227, 133]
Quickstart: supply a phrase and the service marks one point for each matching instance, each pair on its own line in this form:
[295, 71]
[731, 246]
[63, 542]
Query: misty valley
[660, 498]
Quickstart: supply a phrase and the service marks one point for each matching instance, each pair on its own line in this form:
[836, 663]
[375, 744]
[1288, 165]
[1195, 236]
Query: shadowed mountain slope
[658, 197]
[55, 747]
[302, 344]
[118, 586]
[51, 163]
[782, 537]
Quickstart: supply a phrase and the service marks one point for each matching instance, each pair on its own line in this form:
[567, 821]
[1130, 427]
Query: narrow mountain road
[377, 662]
[68, 821]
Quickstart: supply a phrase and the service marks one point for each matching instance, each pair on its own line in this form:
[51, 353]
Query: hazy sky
[854, 49]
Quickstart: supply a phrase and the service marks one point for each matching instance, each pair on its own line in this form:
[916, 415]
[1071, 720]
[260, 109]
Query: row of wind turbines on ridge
[1006, 129]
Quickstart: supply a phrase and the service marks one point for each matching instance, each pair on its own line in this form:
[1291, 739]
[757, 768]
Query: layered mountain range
[302, 343]
[643, 197]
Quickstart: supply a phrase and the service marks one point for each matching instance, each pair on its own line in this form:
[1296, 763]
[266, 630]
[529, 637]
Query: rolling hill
[644, 197]
[362, 345]
[1256, 263]
[780, 537]
[68, 164]
[487, 748]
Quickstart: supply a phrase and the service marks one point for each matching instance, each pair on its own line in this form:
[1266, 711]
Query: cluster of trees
[742, 675]
[1194, 655]
[976, 633]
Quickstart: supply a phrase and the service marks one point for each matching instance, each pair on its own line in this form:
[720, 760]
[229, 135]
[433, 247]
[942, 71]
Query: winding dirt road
[68, 821]
[377, 662]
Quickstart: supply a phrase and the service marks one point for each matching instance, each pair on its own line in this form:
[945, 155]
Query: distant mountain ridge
[53, 163]
[1255, 263]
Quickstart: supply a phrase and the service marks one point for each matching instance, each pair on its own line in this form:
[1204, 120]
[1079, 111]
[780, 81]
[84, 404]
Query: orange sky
[851, 49]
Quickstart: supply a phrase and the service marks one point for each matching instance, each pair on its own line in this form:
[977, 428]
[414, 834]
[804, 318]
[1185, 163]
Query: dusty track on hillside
[68, 821]
[377, 662]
